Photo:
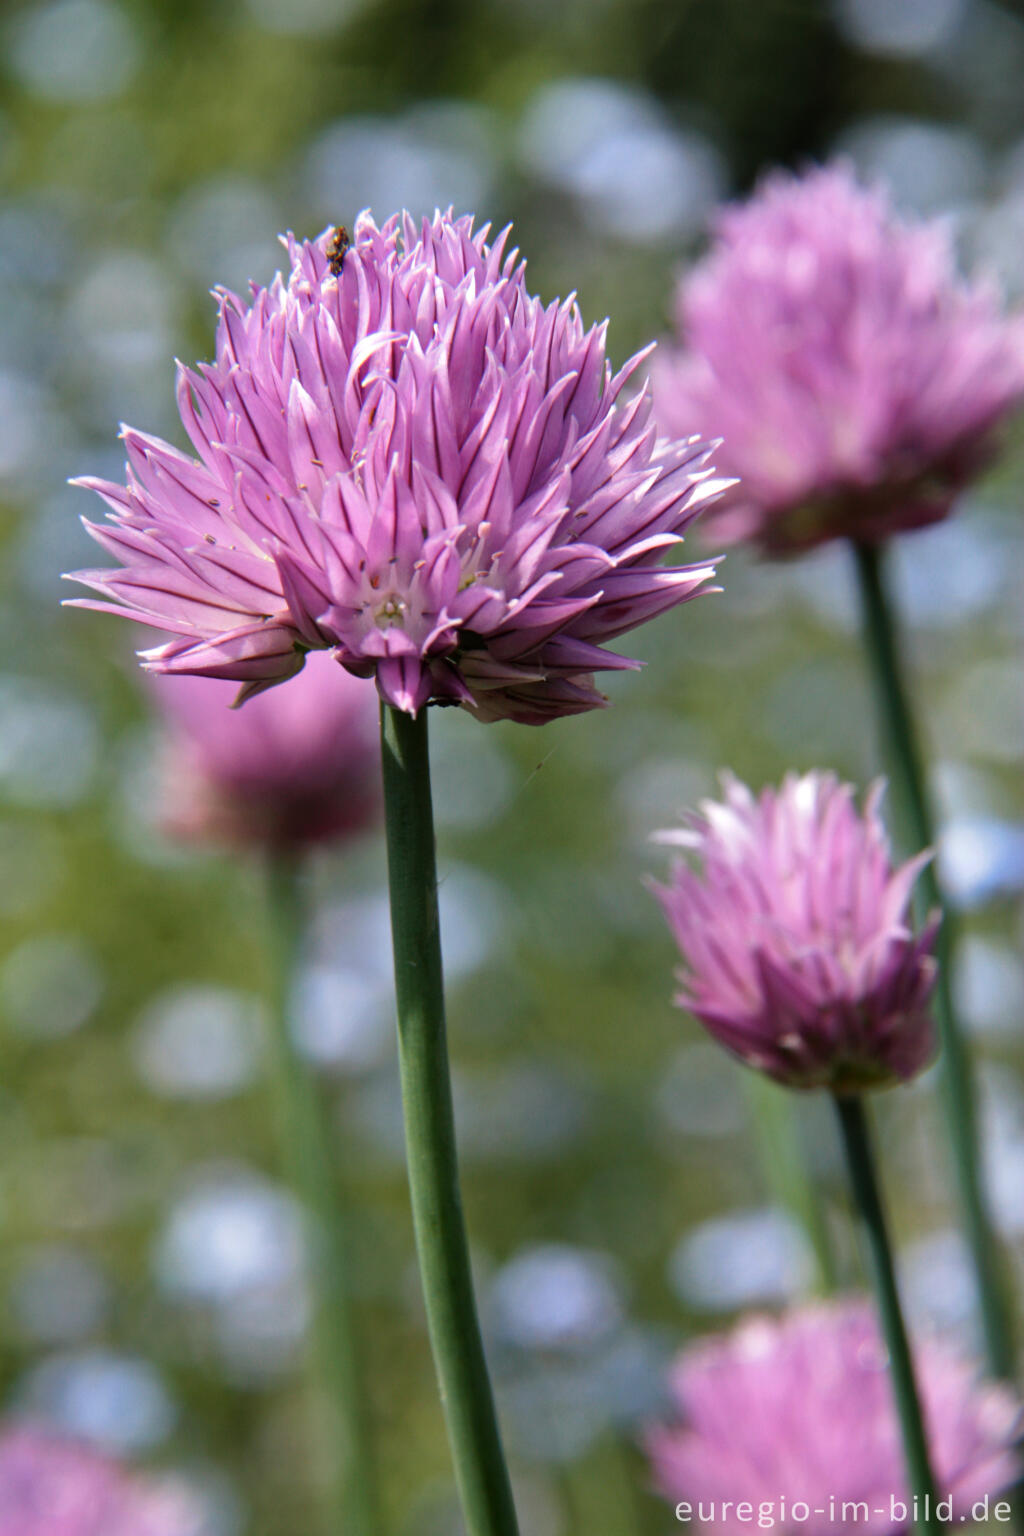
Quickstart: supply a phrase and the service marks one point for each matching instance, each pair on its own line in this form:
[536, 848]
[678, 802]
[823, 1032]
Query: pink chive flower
[53, 1487]
[406, 459]
[798, 952]
[856, 380]
[793, 1411]
[298, 765]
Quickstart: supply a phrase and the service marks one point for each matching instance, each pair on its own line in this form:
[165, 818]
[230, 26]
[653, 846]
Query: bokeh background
[152, 1295]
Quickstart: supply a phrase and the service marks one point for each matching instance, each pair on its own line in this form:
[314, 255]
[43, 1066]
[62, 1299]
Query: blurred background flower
[594, 1114]
[54, 1487]
[297, 766]
[857, 379]
[798, 1410]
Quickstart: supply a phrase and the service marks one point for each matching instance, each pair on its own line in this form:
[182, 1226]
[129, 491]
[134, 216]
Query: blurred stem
[790, 1179]
[441, 1243]
[916, 824]
[333, 1354]
[600, 1490]
[860, 1164]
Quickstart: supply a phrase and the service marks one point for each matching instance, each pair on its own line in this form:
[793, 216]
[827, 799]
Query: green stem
[310, 1168]
[914, 816]
[441, 1242]
[790, 1179]
[863, 1179]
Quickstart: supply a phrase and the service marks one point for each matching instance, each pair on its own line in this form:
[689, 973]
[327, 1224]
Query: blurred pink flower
[799, 1410]
[799, 955]
[406, 459]
[856, 379]
[53, 1487]
[297, 765]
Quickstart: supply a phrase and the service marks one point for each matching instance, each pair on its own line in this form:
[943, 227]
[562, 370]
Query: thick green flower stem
[917, 829]
[466, 1394]
[305, 1139]
[860, 1162]
[790, 1178]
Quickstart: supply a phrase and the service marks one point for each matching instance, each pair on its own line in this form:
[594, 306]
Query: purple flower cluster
[406, 459]
[52, 1487]
[855, 378]
[298, 765]
[799, 956]
[798, 1411]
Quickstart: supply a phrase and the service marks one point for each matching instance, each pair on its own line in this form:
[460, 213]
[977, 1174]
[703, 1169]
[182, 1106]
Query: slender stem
[914, 815]
[863, 1179]
[430, 1132]
[333, 1354]
[790, 1178]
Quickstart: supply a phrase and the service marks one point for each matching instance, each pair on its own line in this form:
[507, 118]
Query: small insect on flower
[340, 243]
